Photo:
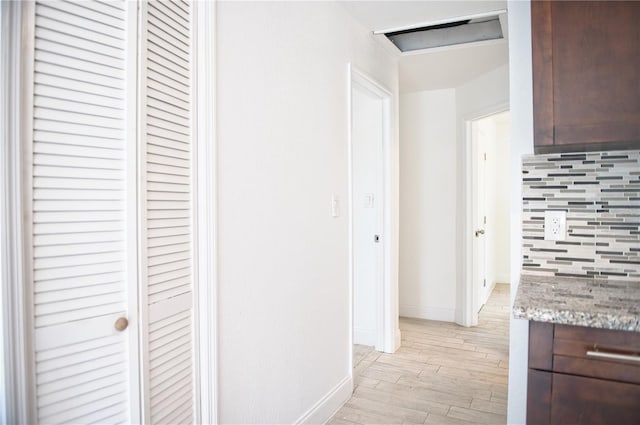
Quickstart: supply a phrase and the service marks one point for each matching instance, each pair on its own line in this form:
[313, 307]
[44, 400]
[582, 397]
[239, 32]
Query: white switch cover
[335, 206]
[555, 225]
[368, 200]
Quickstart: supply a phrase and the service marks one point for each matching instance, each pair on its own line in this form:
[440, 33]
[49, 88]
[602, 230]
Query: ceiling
[437, 68]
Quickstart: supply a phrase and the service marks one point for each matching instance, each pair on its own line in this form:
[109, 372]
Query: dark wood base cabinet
[582, 375]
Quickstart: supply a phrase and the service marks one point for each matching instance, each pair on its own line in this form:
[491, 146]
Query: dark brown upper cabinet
[586, 75]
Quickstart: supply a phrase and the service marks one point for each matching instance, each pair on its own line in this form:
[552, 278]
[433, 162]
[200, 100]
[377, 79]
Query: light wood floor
[442, 374]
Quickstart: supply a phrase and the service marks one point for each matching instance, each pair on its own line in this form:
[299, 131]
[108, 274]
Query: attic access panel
[447, 34]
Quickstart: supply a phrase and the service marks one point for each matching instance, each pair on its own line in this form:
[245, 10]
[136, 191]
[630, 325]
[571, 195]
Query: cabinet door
[538, 397]
[586, 63]
[581, 401]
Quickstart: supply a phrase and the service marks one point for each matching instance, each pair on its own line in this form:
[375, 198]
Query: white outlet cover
[555, 225]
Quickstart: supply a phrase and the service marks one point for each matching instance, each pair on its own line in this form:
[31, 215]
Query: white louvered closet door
[111, 229]
[83, 256]
[167, 205]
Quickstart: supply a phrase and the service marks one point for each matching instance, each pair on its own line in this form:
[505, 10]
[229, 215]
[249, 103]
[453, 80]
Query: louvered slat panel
[171, 101]
[170, 365]
[79, 282]
[52, 10]
[154, 214]
[88, 100]
[48, 97]
[80, 33]
[76, 172]
[168, 193]
[74, 216]
[79, 211]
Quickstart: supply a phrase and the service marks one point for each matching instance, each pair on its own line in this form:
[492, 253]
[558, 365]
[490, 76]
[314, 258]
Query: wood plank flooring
[442, 374]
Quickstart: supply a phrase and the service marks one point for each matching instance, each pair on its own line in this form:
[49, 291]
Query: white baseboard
[328, 405]
[487, 293]
[364, 336]
[429, 313]
[503, 278]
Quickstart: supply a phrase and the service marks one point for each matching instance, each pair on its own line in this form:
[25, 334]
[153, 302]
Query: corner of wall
[329, 404]
[521, 103]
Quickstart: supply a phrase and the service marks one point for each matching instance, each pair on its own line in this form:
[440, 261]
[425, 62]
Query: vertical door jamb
[17, 99]
[205, 189]
[135, 242]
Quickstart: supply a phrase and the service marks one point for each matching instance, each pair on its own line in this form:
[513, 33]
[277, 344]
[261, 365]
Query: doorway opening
[488, 215]
[374, 315]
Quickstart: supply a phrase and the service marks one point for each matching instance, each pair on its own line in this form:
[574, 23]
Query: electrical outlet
[555, 225]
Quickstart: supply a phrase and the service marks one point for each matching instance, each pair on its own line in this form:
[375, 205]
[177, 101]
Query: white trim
[442, 21]
[17, 376]
[388, 330]
[492, 286]
[206, 209]
[136, 213]
[329, 404]
[365, 336]
[469, 296]
[26, 192]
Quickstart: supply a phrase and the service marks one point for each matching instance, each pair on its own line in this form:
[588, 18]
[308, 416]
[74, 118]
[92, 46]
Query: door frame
[205, 209]
[18, 379]
[469, 294]
[17, 397]
[387, 309]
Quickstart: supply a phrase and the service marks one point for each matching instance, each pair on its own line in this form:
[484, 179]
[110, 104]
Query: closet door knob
[121, 324]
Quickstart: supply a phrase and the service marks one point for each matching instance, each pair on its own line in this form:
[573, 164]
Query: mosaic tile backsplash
[601, 193]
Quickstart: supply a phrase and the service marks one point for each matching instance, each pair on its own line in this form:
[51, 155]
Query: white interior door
[480, 213]
[367, 139]
[109, 230]
[83, 223]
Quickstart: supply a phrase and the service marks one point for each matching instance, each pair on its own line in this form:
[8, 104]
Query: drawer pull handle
[614, 356]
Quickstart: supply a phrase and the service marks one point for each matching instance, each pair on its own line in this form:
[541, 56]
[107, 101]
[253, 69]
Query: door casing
[468, 293]
[388, 331]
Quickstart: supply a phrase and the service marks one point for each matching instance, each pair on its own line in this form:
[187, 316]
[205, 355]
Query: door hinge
[485, 219]
[485, 156]
[484, 283]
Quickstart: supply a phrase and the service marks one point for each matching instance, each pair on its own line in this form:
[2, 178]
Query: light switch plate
[335, 206]
[368, 200]
[555, 225]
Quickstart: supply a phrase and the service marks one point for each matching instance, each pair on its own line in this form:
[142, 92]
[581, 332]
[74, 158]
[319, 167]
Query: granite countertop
[606, 304]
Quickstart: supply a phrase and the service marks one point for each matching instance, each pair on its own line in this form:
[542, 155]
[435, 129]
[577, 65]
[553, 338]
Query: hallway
[442, 374]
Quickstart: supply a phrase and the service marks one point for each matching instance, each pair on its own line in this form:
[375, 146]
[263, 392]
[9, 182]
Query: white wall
[432, 199]
[428, 204]
[521, 143]
[482, 96]
[282, 152]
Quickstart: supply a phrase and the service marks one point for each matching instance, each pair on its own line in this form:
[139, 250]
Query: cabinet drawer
[599, 353]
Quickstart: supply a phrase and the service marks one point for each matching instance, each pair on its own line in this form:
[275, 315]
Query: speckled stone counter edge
[604, 304]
